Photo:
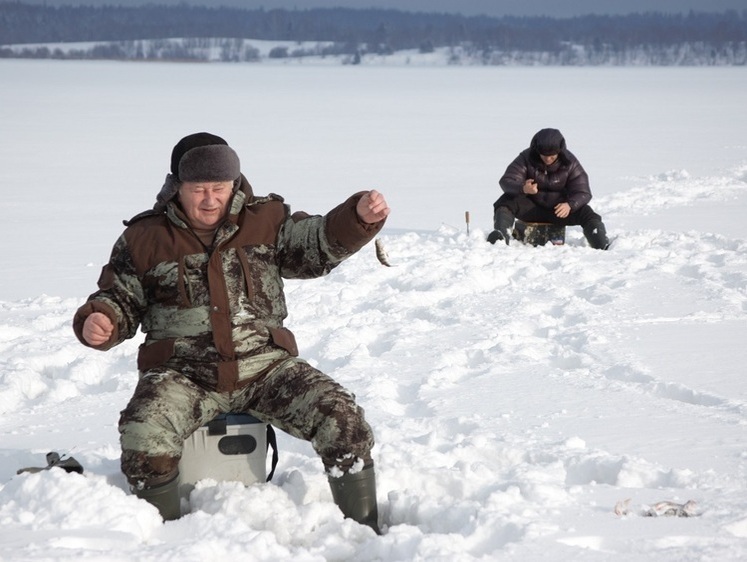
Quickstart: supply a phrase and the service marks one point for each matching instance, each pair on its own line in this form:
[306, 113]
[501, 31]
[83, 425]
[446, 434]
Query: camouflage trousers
[167, 407]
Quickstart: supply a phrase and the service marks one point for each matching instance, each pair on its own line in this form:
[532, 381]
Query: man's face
[205, 203]
[548, 159]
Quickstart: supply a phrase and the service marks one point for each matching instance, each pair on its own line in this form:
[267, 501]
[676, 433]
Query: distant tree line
[198, 49]
[652, 38]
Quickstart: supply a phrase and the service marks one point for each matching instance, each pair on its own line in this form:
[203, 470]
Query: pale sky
[552, 8]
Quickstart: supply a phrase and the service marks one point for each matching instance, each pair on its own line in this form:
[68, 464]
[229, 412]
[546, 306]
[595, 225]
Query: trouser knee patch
[140, 467]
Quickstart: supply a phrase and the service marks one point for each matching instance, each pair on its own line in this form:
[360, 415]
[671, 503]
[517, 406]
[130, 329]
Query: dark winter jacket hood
[548, 141]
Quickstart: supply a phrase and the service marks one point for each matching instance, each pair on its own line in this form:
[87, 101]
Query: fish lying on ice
[660, 509]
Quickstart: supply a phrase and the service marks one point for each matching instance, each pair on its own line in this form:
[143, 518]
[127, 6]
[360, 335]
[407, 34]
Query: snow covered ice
[517, 394]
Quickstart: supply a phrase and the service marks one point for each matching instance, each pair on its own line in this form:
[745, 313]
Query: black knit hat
[204, 157]
[547, 142]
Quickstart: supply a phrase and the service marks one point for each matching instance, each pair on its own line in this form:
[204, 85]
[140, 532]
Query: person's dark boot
[496, 235]
[596, 235]
[503, 221]
[355, 495]
[165, 497]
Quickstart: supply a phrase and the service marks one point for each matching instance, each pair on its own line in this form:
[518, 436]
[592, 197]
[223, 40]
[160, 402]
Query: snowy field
[517, 393]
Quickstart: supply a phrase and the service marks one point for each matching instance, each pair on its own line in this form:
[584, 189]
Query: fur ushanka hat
[204, 157]
[199, 157]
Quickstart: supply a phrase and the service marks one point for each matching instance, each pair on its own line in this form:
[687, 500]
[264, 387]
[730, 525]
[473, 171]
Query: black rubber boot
[496, 235]
[596, 235]
[503, 221]
[163, 496]
[355, 495]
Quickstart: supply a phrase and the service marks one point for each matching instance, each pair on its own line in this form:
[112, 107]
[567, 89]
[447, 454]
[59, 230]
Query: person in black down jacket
[546, 183]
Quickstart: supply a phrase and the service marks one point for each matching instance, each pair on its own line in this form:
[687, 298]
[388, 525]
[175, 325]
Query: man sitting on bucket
[201, 274]
[546, 183]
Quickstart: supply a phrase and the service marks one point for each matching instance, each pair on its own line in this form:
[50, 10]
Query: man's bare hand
[562, 210]
[97, 329]
[530, 187]
[372, 207]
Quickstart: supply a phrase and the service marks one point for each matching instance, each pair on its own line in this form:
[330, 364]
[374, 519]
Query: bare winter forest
[158, 32]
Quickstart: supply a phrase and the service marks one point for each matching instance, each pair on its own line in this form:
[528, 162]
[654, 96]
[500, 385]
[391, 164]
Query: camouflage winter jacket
[217, 316]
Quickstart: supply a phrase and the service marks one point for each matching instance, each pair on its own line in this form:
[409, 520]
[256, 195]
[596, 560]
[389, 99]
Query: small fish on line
[381, 254]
